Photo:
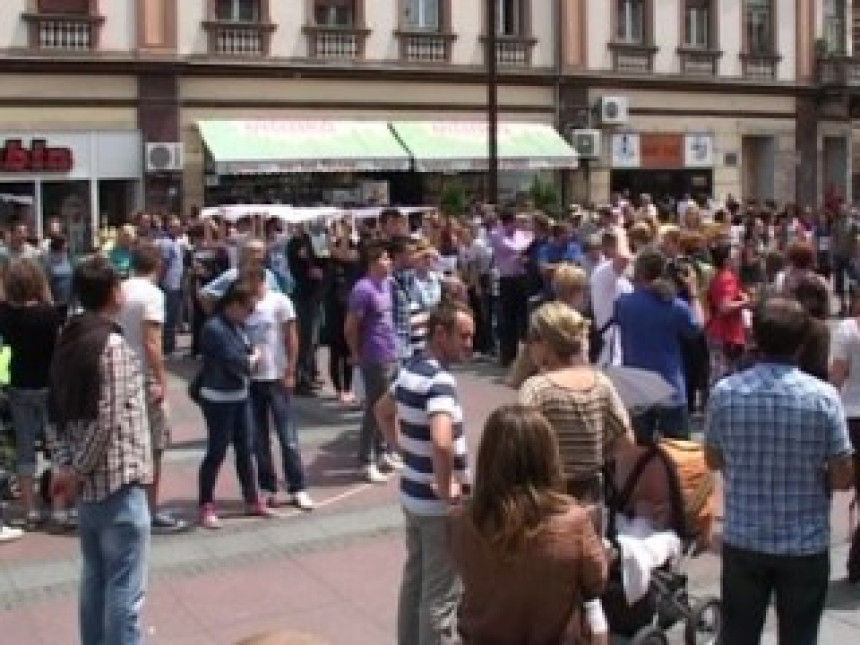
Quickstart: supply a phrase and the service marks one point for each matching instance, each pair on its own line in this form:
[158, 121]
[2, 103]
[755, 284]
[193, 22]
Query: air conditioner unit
[163, 157]
[586, 143]
[612, 110]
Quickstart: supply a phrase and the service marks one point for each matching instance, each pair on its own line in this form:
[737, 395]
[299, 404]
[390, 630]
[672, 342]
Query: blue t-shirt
[556, 252]
[651, 330]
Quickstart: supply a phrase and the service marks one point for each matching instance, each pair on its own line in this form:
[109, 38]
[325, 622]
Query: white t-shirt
[605, 286]
[265, 330]
[845, 346]
[143, 303]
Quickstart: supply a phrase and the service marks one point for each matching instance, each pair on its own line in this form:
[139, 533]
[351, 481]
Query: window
[510, 17]
[697, 24]
[631, 21]
[834, 26]
[334, 13]
[64, 7]
[758, 26]
[422, 15]
[238, 10]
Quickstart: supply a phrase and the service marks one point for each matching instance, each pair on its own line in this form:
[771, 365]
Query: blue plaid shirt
[776, 428]
[405, 294]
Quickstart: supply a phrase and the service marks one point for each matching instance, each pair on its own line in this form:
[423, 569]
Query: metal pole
[492, 105]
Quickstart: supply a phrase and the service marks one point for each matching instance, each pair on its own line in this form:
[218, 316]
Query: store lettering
[15, 157]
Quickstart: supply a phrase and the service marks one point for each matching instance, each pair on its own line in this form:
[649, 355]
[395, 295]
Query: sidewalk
[333, 573]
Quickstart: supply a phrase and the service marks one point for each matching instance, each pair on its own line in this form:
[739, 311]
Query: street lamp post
[492, 105]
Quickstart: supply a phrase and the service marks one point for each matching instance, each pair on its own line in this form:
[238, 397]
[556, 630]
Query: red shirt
[725, 287]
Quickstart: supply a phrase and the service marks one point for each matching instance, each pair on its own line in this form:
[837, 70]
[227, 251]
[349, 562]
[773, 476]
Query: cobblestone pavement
[333, 573]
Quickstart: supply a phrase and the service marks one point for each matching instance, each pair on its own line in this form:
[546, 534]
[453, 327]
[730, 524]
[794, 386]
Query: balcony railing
[228, 38]
[699, 62]
[64, 32]
[425, 47]
[513, 51]
[632, 58]
[335, 43]
[839, 71]
[760, 67]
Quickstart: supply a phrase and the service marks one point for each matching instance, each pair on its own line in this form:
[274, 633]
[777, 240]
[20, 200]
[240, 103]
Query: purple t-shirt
[371, 302]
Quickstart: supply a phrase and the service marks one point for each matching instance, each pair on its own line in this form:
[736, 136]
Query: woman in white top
[845, 375]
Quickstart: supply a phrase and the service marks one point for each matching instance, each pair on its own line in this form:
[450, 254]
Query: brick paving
[333, 573]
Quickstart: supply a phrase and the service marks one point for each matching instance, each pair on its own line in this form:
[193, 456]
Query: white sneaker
[302, 500]
[10, 534]
[392, 461]
[373, 475]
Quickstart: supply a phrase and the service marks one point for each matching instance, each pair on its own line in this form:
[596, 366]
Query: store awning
[446, 146]
[270, 147]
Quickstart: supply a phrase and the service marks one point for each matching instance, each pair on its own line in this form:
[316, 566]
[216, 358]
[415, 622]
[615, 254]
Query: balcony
[760, 67]
[228, 38]
[699, 62]
[632, 58]
[839, 72]
[424, 46]
[335, 43]
[64, 32]
[513, 51]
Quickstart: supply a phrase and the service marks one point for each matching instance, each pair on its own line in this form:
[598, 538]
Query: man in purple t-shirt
[369, 331]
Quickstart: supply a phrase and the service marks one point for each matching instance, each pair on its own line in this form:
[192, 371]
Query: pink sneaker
[208, 517]
[259, 509]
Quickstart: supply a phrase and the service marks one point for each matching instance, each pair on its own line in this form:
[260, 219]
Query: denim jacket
[226, 361]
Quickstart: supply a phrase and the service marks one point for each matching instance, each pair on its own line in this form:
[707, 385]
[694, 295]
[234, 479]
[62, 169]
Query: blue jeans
[266, 397]
[29, 409]
[669, 423]
[172, 308]
[114, 536]
[377, 378]
[227, 423]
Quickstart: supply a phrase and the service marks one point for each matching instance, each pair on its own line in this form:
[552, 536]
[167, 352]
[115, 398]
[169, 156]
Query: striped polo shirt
[424, 388]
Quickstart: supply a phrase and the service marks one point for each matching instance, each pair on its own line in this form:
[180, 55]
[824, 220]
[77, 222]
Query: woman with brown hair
[527, 554]
[29, 324]
[580, 402]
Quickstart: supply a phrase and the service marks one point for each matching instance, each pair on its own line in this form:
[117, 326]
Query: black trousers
[513, 316]
[750, 579]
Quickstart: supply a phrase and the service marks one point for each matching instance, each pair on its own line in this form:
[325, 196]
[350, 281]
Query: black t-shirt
[31, 332]
[301, 257]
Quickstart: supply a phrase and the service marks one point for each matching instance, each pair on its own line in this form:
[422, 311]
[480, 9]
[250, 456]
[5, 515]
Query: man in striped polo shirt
[422, 415]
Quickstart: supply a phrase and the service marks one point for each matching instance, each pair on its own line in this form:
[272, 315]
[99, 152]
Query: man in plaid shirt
[780, 438]
[104, 456]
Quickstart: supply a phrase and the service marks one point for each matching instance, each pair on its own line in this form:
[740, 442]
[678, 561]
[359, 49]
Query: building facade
[749, 98]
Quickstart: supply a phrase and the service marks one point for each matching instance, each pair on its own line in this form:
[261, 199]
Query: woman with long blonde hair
[585, 411]
[527, 554]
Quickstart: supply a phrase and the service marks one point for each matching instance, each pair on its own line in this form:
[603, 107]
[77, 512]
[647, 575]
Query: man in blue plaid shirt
[780, 438]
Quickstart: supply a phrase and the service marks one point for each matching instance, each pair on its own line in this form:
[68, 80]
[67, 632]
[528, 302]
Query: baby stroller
[667, 600]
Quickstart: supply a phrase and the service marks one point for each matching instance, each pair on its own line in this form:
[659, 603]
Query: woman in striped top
[580, 402]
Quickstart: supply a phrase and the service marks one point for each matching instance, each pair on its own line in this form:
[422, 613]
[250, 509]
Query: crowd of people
[728, 304]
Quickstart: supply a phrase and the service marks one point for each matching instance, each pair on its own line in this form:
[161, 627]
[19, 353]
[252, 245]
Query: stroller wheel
[705, 623]
[650, 635]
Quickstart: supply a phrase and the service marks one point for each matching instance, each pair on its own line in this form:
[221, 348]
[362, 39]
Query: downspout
[559, 68]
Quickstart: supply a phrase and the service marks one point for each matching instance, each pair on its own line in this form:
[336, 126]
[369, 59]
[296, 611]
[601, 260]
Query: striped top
[422, 389]
[586, 421]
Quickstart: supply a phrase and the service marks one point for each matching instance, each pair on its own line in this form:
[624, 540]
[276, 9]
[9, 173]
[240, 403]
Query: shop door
[758, 157]
[835, 167]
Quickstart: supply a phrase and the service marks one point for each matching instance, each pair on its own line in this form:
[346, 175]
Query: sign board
[698, 150]
[662, 151]
[35, 158]
[626, 151]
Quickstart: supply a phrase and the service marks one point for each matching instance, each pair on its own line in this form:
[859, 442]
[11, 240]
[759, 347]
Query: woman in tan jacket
[528, 555]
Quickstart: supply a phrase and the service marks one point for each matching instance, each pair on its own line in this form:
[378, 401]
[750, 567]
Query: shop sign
[626, 150]
[662, 151]
[698, 150]
[15, 157]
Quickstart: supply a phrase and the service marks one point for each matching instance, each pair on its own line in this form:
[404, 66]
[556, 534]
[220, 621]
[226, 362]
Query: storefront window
[69, 202]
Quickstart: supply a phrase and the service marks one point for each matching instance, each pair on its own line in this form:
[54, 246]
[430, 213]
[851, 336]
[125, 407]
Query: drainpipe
[559, 68]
